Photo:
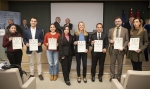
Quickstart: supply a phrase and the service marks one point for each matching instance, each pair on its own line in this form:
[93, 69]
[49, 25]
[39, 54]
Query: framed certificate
[98, 45]
[17, 42]
[81, 46]
[33, 44]
[134, 44]
[52, 43]
[118, 43]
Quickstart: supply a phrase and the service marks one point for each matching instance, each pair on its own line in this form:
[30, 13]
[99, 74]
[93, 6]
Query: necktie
[117, 32]
[99, 37]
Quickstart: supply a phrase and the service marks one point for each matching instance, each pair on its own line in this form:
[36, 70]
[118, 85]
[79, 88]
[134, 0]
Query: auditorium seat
[10, 79]
[133, 80]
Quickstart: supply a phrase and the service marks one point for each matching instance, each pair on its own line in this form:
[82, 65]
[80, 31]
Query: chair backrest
[137, 80]
[10, 79]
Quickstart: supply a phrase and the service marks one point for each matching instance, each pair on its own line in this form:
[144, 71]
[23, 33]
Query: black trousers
[15, 57]
[137, 65]
[82, 56]
[95, 58]
[66, 66]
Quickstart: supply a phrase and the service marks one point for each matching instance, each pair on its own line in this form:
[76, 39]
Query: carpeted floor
[59, 84]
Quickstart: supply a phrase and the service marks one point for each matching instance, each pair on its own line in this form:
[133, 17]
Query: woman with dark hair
[66, 49]
[14, 55]
[52, 55]
[137, 56]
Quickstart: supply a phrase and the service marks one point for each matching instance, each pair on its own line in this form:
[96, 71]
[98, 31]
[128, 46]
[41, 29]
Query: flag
[138, 14]
[123, 17]
[143, 15]
[131, 13]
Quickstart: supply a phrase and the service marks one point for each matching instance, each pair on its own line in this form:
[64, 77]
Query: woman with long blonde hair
[81, 35]
[137, 56]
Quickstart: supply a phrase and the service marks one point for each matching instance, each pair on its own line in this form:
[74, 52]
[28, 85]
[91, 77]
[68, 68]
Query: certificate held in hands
[81, 46]
[17, 42]
[98, 45]
[134, 44]
[52, 43]
[33, 44]
[118, 43]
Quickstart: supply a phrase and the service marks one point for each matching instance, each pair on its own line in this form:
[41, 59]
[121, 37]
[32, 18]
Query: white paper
[134, 44]
[98, 45]
[33, 44]
[81, 46]
[118, 43]
[17, 42]
[52, 43]
[2, 32]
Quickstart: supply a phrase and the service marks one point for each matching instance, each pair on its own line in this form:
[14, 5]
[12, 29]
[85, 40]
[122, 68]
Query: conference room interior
[46, 10]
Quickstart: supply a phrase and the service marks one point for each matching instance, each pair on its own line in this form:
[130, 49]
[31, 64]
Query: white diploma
[52, 43]
[118, 43]
[17, 42]
[81, 46]
[134, 44]
[98, 45]
[33, 44]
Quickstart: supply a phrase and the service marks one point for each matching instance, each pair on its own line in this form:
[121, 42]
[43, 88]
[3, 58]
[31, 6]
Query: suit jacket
[58, 27]
[103, 37]
[128, 26]
[65, 47]
[76, 38]
[23, 27]
[123, 34]
[70, 26]
[38, 35]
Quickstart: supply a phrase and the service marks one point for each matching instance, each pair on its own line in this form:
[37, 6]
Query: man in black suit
[98, 56]
[24, 25]
[57, 25]
[68, 24]
[129, 24]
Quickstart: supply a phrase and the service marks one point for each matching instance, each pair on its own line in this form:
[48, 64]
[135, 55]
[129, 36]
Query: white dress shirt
[33, 32]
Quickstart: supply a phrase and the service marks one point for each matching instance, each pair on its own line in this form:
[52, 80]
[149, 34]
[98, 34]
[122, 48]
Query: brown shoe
[55, 77]
[52, 77]
[41, 77]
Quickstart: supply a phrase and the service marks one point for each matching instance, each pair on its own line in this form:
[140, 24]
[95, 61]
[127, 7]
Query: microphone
[4, 25]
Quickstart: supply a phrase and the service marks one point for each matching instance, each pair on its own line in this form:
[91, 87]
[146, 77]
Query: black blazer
[103, 37]
[58, 27]
[70, 26]
[65, 47]
[23, 27]
[128, 26]
[76, 38]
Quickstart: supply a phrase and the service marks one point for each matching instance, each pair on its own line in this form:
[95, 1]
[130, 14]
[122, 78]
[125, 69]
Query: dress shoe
[85, 80]
[93, 79]
[100, 79]
[68, 83]
[111, 79]
[118, 79]
[79, 80]
[55, 77]
[31, 76]
[41, 77]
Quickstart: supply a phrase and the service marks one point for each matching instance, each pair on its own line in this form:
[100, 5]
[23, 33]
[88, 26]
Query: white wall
[89, 13]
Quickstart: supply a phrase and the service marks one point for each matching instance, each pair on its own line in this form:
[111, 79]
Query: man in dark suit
[129, 24]
[117, 54]
[98, 56]
[57, 25]
[34, 33]
[24, 25]
[68, 24]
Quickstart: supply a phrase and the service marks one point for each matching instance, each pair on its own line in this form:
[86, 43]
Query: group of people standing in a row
[67, 47]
